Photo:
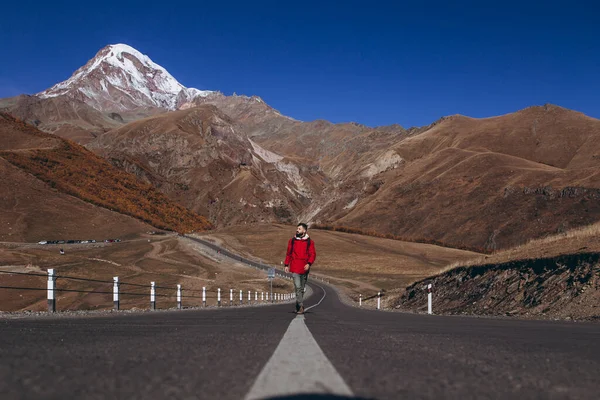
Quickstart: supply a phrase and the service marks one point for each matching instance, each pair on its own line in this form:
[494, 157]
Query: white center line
[298, 366]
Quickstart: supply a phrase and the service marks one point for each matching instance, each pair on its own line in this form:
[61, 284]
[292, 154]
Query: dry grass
[361, 264]
[166, 260]
[582, 239]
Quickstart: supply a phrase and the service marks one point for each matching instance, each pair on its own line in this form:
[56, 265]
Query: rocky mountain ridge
[460, 181]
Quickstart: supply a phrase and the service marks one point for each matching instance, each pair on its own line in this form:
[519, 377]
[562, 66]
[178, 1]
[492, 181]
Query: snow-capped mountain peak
[120, 77]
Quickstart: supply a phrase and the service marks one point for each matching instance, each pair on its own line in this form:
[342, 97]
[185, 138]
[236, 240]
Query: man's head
[301, 229]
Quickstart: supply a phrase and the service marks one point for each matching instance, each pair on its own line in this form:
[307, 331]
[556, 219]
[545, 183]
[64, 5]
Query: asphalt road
[242, 353]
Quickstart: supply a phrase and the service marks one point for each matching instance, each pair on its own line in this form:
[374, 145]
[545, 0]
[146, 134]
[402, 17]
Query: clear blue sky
[371, 62]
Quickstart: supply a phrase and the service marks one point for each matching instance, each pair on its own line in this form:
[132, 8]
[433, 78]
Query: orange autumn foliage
[72, 169]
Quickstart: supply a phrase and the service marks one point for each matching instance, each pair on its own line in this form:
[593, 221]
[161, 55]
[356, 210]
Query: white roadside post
[267, 296]
[378, 300]
[360, 300]
[241, 298]
[271, 275]
[152, 296]
[230, 297]
[249, 297]
[203, 296]
[262, 296]
[219, 297]
[51, 287]
[116, 293]
[179, 297]
[255, 296]
[429, 299]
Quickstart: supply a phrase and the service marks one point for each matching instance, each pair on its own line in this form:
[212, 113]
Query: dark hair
[302, 224]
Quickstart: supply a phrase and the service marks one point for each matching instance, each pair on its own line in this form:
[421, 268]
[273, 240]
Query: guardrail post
[241, 298]
[203, 296]
[179, 297]
[152, 296]
[219, 297]
[116, 293]
[230, 297]
[360, 300]
[51, 290]
[429, 299]
[378, 300]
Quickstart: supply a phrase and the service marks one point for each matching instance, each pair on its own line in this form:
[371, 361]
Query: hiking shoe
[300, 311]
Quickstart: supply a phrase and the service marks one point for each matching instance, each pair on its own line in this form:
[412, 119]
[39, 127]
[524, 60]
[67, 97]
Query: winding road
[332, 352]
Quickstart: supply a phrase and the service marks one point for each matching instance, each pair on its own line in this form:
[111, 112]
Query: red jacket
[301, 255]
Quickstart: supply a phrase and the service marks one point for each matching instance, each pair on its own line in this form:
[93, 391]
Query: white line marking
[320, 301]
[298, 366]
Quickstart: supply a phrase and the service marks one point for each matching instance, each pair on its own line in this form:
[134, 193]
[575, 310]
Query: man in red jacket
[300, 256]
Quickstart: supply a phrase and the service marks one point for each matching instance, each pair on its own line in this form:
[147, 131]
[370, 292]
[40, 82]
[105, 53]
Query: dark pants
[300, 284]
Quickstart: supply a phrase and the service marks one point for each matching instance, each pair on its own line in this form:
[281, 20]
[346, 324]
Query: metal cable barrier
[140, 290]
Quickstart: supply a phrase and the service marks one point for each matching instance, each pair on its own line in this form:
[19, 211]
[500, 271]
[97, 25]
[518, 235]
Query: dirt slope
[31, 210]
[559, 287]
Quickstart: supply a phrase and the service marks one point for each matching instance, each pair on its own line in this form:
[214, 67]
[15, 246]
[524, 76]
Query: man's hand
[287, 270]
[307, 267]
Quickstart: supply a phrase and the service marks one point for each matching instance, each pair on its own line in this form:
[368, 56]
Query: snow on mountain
[121, 78]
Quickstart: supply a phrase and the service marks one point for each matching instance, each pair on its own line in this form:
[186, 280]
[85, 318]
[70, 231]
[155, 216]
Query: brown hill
[31, 210]
[63, 116]
[481, 184]
[490, 183]
[73, 170]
